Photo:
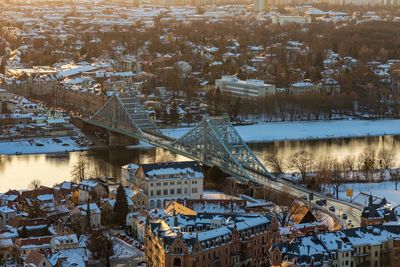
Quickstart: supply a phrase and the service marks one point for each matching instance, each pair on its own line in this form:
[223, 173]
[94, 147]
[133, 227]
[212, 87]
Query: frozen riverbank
[313, 130]
[40, 146]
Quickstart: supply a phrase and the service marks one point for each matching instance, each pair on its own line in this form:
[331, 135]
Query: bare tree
[275, 161]
[80, 169]
[395, 177]
[367, 163]
[324, 172]
[337, 179]
[349, 163]
[35, 184]
[386, 160]
[302, 162]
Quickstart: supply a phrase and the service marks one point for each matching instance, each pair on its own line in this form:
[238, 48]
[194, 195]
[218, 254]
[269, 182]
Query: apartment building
[364, 246]
[210, 240]
[161, 182]
[249, 88]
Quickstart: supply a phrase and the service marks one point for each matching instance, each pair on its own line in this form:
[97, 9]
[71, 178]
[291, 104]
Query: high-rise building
[261, 5]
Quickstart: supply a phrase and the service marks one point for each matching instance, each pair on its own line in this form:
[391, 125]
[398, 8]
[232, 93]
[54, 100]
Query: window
[185, 190]
[165, 183]
[194, 190]
[158, 192]
[172, 191]
[179, 182]
[165, 191]
[158, 184]
[194, 182]
[185, 182]
[151, 184]
[171, 183]
[179, 191]
[151, 192]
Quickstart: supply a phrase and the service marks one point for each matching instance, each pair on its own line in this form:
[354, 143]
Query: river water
[16, 172]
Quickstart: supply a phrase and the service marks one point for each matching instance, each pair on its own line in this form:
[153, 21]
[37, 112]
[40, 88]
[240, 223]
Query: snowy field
[279, 131]
[39, 146]
[381, 190]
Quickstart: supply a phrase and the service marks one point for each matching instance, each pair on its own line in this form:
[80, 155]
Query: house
[6, 214]
[303, 87]
[91, 189]
[37, 259]
[329, 86]
[25, 246]
[79, 215]
[167, 181]
[64, 242]
[377, 211]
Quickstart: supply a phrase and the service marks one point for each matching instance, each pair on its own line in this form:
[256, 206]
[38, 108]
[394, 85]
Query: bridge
[213, 142]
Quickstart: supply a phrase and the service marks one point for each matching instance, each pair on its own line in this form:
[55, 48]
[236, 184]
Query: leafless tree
[80, 170]
[349, 163]
[324, 172]
[367, 163]
[302, 162]
[386, 160]
[275, 162]
[35, 184]
[395, 177]
[337, 179]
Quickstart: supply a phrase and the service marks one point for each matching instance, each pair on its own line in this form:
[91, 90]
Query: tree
[35, 184]
[395, 176]
[173, 113]
[24, 232]
[80, 169]
[386, 160]
[121, 208]
[101, 246]
[337, 179]
[215, 174]
[88, 215]
[302, 162]
[349, 164]
[275, 161]
[367, 162]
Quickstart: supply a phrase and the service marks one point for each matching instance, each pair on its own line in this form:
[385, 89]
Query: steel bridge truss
[215, 142]
[125, 115]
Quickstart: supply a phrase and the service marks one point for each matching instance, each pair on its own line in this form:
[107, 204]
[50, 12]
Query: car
[344, 216]
[321, 202]
[332, 208]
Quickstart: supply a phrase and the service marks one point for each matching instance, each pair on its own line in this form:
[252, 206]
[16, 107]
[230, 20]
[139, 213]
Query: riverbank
[40, 146]
[310, 130]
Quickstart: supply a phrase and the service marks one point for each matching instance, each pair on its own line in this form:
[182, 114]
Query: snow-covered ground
[39, 146]
[383, 189]
[276, 131]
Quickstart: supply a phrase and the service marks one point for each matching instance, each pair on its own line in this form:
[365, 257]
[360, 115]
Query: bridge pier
[116, 139]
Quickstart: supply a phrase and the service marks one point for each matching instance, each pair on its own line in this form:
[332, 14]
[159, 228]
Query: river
[17, 171]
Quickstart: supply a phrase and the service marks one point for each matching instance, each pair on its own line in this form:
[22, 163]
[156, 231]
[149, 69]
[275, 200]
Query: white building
[250, 87]
[282, 20]
[167, 181]
[6, 214]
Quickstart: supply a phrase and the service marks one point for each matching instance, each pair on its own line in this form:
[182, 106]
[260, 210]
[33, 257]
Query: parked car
[344, 216]
[321, 202]
[332, 208]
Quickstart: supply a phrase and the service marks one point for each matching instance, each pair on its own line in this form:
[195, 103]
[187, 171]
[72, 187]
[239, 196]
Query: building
[64, 242]
[248, 88]
[378, 211]
[303, 87]
[282, 20]
[6, 214]
[210, 240]
[329, 86]
[90, 188]
[167, 181]
[261, 5]
[364, 246]
[79, 215]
